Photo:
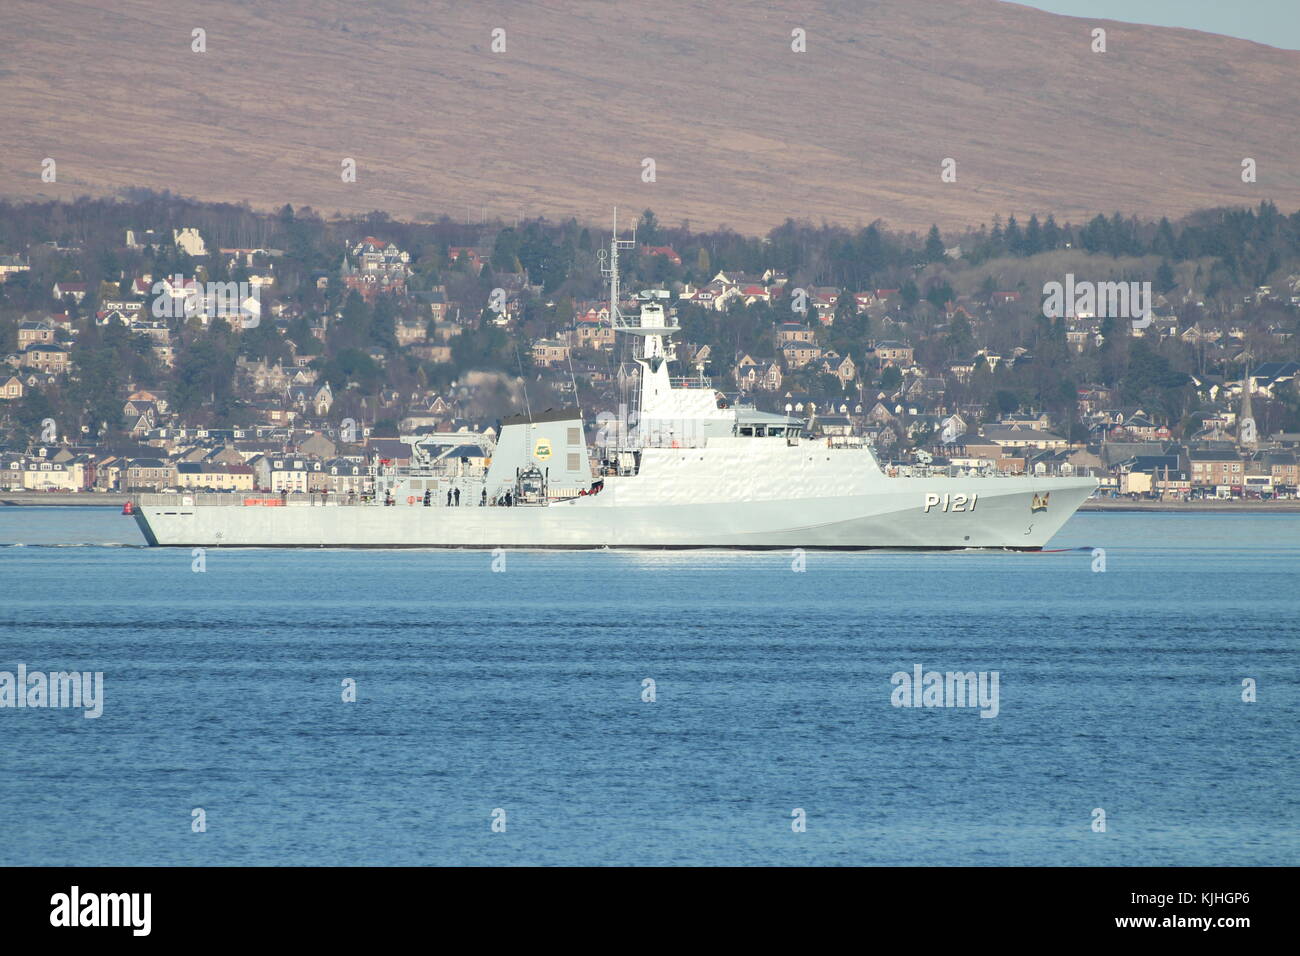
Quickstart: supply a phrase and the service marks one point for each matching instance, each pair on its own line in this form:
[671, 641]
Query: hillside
[743, 131]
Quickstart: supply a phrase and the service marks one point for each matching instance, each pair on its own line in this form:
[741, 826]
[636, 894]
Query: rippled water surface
[522, 690]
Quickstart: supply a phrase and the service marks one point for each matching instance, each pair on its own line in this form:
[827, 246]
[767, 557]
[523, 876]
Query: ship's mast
[609, 268]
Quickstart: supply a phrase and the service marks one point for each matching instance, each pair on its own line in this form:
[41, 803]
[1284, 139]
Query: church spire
[1246, 434]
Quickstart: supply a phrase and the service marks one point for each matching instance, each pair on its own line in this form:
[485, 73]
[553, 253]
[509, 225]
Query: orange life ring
[410, 499]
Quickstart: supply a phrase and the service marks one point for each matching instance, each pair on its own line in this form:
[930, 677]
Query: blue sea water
[522, 690]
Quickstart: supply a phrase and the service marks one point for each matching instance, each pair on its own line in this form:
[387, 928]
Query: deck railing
[249, 499]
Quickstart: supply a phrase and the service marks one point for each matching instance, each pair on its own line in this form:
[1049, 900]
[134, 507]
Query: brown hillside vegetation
[743, 131]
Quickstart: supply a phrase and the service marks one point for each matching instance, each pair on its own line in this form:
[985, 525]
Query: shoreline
[1195, 507]
[82, 499]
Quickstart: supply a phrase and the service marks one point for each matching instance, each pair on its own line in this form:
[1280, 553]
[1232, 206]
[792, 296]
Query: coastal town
[155, 358]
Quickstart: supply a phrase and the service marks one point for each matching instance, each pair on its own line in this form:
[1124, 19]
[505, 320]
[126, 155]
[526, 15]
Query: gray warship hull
[1021, 514]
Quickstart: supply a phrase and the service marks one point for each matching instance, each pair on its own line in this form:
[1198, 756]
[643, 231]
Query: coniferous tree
[1033, 236]
[1014, 239]
[934, 246]
[1164, 278]
[1051, 234]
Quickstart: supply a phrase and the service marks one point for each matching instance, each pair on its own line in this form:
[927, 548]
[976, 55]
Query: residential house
[213, 476]
[47, 357]
[1216, 468]
[189, 242]
[149, 474]
[550, 352]
[793, 334]
[342, 476]
[1281, 466]
[894, 353]
[1269, 377]
[591, 334]
[311, 399]
[841, 368]
[799, 354]
[1017, 438]
[1158, 476]
[34, 333]
[408, 333]
[765, 377]
[12, 388]
[374, 267]
[51, 473]
[287, 473]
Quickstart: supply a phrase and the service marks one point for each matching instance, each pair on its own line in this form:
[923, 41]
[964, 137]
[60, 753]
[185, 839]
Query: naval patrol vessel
[683, 468]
